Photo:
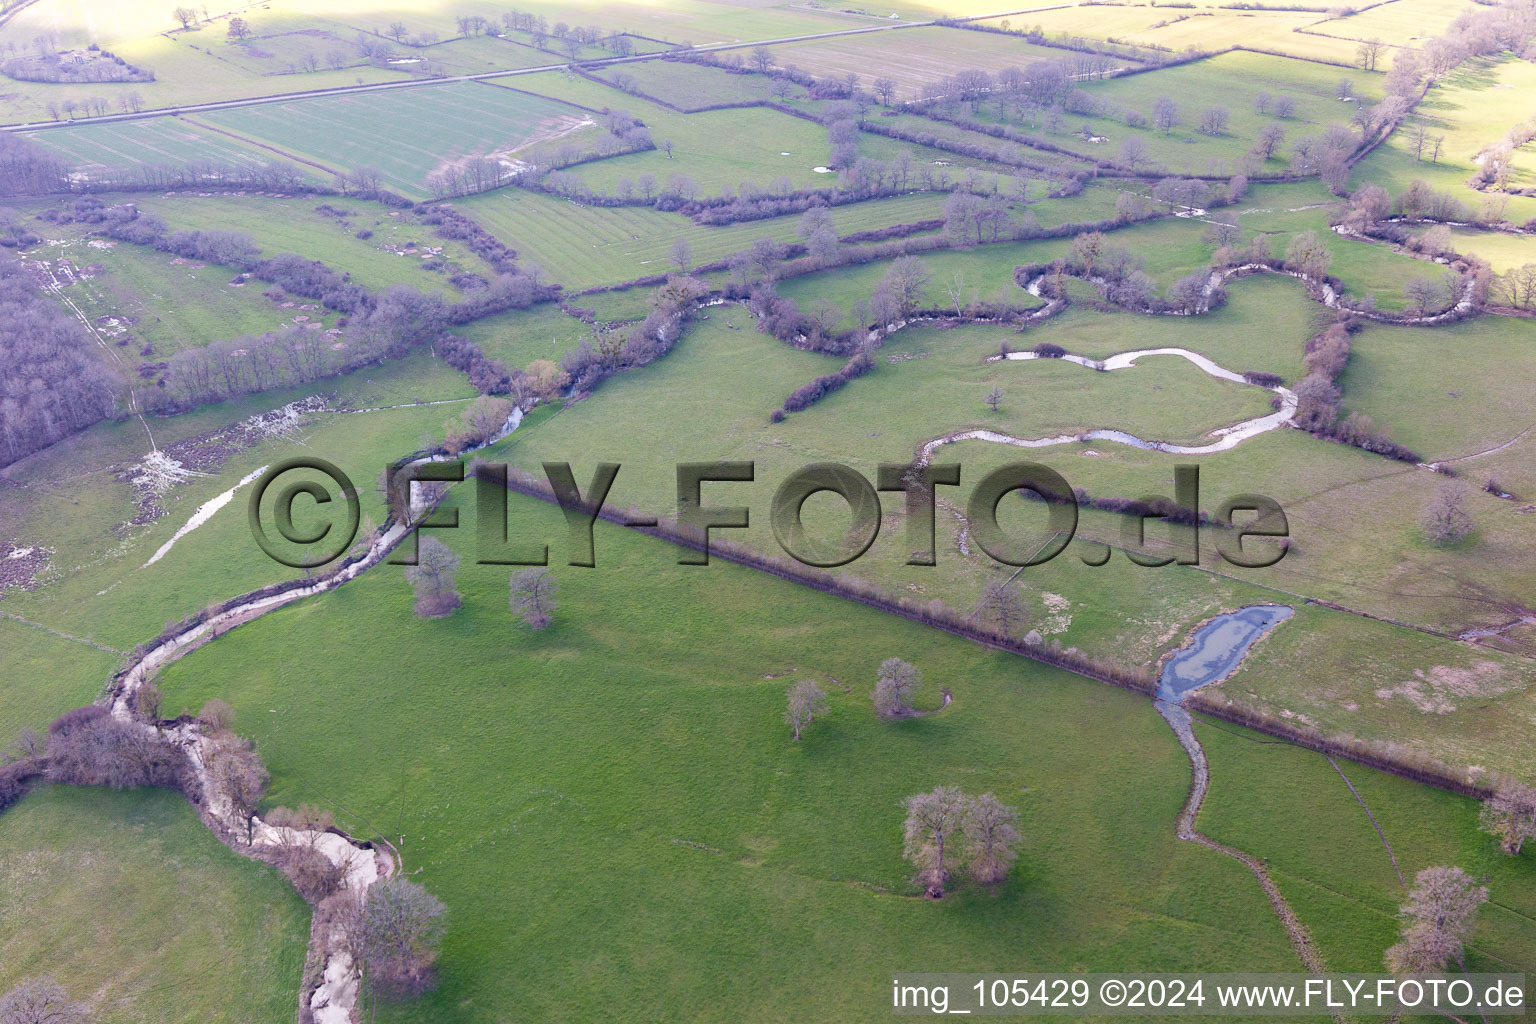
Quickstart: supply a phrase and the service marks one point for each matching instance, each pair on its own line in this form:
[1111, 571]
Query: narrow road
[347, 90]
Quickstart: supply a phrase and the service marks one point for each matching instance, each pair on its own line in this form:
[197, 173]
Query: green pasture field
[912, 58]
[1364, 267]
[1207, 29]
[291, 224]
[765, 144]
[1472, 108]
[175, 303]
[954, 133]
[429, 126]
[519, 337]
[1355, 520]
[582, 246]
[696, 21]
[1462, 383]
[188, 68]
[690, 86]
[279, 50]
[714, 846]
[46, 675]
[72, 498]
[1400, 22]
[128, 901]
[1336, 872]
[160, 140]
[1230, 80]
[1503, 252]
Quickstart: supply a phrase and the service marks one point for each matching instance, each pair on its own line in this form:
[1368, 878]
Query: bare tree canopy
[992, 838]
[933, 835]
[433, 578]
[1446, 520]
[1437, 920]
[1510, 815]
[1001, 608]
[403, 927]
[40, 1001]
[533, 596]
[894, 687]
[806, 701]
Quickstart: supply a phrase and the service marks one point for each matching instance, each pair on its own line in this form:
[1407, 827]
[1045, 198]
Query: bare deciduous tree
[1437, 920]
[894, 688]
[681, 255]
[40, 1001]
[992, 838]
[1510, 814]
[1001, 608]
[432, 577]
[236, 773]
[905, 280]
[402, 927]
[185, 15]
[533, 596]
[933, 835]
[1446, 519]
[806, 701]
[1369, 52]
[995, 397]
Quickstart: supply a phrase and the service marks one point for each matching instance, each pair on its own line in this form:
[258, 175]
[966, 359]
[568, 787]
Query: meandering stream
[1226, 437]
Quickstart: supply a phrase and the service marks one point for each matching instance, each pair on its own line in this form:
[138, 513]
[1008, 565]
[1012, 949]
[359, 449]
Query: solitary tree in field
[1446, 520]
[185, 15]
[681, 255]
[894, 688]
[1133, 151]
[533, 596]
[991, 838]
[666, 147]
[433, 579]
[885, 91]
[995, 397]
[1222, 230]
[239, 28]
[398, 31]
[40, 1001]
[1165, 114]
[1437, 920]
[1262, 101]
[1284, 106]
[1510, 814]
[806, 701]
[1001, 608]
[1269, 139]
[934, 840]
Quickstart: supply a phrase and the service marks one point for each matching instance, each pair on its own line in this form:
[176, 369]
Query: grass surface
[1336, 871]
[294, 224]
[427, 127]
[714, 849]
[129, 902]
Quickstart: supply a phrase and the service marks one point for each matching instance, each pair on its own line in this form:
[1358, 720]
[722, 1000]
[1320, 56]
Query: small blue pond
[1217, 648]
